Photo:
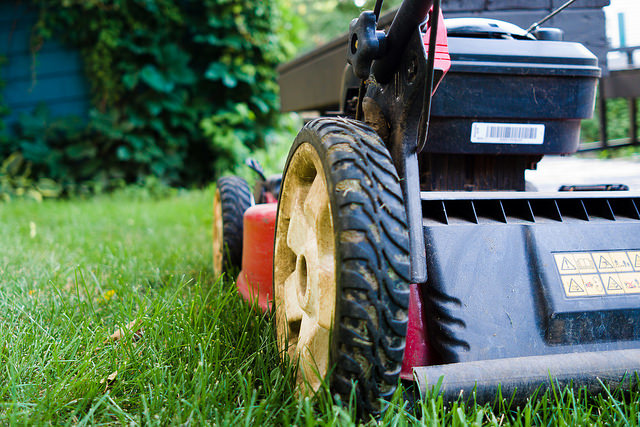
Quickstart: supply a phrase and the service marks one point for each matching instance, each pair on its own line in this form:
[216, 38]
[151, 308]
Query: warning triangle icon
[613, 285]
[574, 287]
[567, 265]
[603, 263]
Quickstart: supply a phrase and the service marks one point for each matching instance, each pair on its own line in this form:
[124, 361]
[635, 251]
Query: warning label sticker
[582, 286]
[634, 257]
[613, 283]
[630, 282]
[599, 273]
[571, 263]
[612, 261]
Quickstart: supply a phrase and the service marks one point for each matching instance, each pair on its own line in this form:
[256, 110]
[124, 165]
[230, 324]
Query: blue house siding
[54, 76]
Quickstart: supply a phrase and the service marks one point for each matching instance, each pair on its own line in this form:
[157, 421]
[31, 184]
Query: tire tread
[372, 307]
[235, 198]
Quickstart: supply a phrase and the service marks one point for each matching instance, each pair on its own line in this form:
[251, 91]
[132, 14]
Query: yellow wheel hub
[218, 237]
[305, 267]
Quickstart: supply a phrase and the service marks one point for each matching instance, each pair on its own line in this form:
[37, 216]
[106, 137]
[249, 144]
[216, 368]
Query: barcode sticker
[506, 133]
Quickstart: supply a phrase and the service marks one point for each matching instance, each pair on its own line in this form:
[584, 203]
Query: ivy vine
[181, 89]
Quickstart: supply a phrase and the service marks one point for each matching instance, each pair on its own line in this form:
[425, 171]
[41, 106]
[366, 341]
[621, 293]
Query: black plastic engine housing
[551, 84]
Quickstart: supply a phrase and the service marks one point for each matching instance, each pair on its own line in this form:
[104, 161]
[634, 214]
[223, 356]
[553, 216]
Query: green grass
[74, 271]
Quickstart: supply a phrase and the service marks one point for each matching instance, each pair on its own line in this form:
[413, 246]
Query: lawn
[190, 350]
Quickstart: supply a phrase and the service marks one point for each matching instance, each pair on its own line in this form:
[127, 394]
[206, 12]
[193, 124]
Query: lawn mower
[400, 242]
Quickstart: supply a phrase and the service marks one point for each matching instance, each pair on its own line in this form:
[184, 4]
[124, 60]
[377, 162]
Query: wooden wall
[54, 76]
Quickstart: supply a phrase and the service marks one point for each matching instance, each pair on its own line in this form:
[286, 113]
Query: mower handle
[411, 14]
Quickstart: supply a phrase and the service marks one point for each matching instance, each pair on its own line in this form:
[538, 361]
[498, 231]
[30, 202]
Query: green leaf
[130, 80]
[81, 151]
[48, 187]
[260, 104]
[220, 71]
[154, 78]
[123, 153]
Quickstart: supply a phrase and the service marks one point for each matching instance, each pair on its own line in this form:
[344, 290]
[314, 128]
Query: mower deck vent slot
[434, 211]
[599, 209]
[518, 210]
[546, 209]
[529, 210]
[625, 208]
[489, 211]
[457, 211]
[572, 209]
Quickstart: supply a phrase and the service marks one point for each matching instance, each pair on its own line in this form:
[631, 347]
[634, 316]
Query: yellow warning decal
[599, 273]
[608, 262]
[634, 257]
[582, 286]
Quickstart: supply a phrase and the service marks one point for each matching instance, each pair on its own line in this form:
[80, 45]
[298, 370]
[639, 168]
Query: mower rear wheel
[341, 262]
[232, 198]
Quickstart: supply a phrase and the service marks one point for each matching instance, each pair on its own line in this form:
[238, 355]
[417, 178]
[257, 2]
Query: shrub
[182, 89]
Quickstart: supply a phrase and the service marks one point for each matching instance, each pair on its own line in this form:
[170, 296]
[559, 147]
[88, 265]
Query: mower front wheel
[341, 263]
[232, 198]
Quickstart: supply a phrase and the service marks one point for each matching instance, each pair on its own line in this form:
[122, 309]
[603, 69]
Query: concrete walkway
[554, 171]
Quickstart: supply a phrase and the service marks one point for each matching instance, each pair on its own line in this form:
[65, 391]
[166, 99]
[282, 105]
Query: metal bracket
[401, 102]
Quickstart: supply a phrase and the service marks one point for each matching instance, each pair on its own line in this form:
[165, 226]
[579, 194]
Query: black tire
[371, 256]
[231, 200]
